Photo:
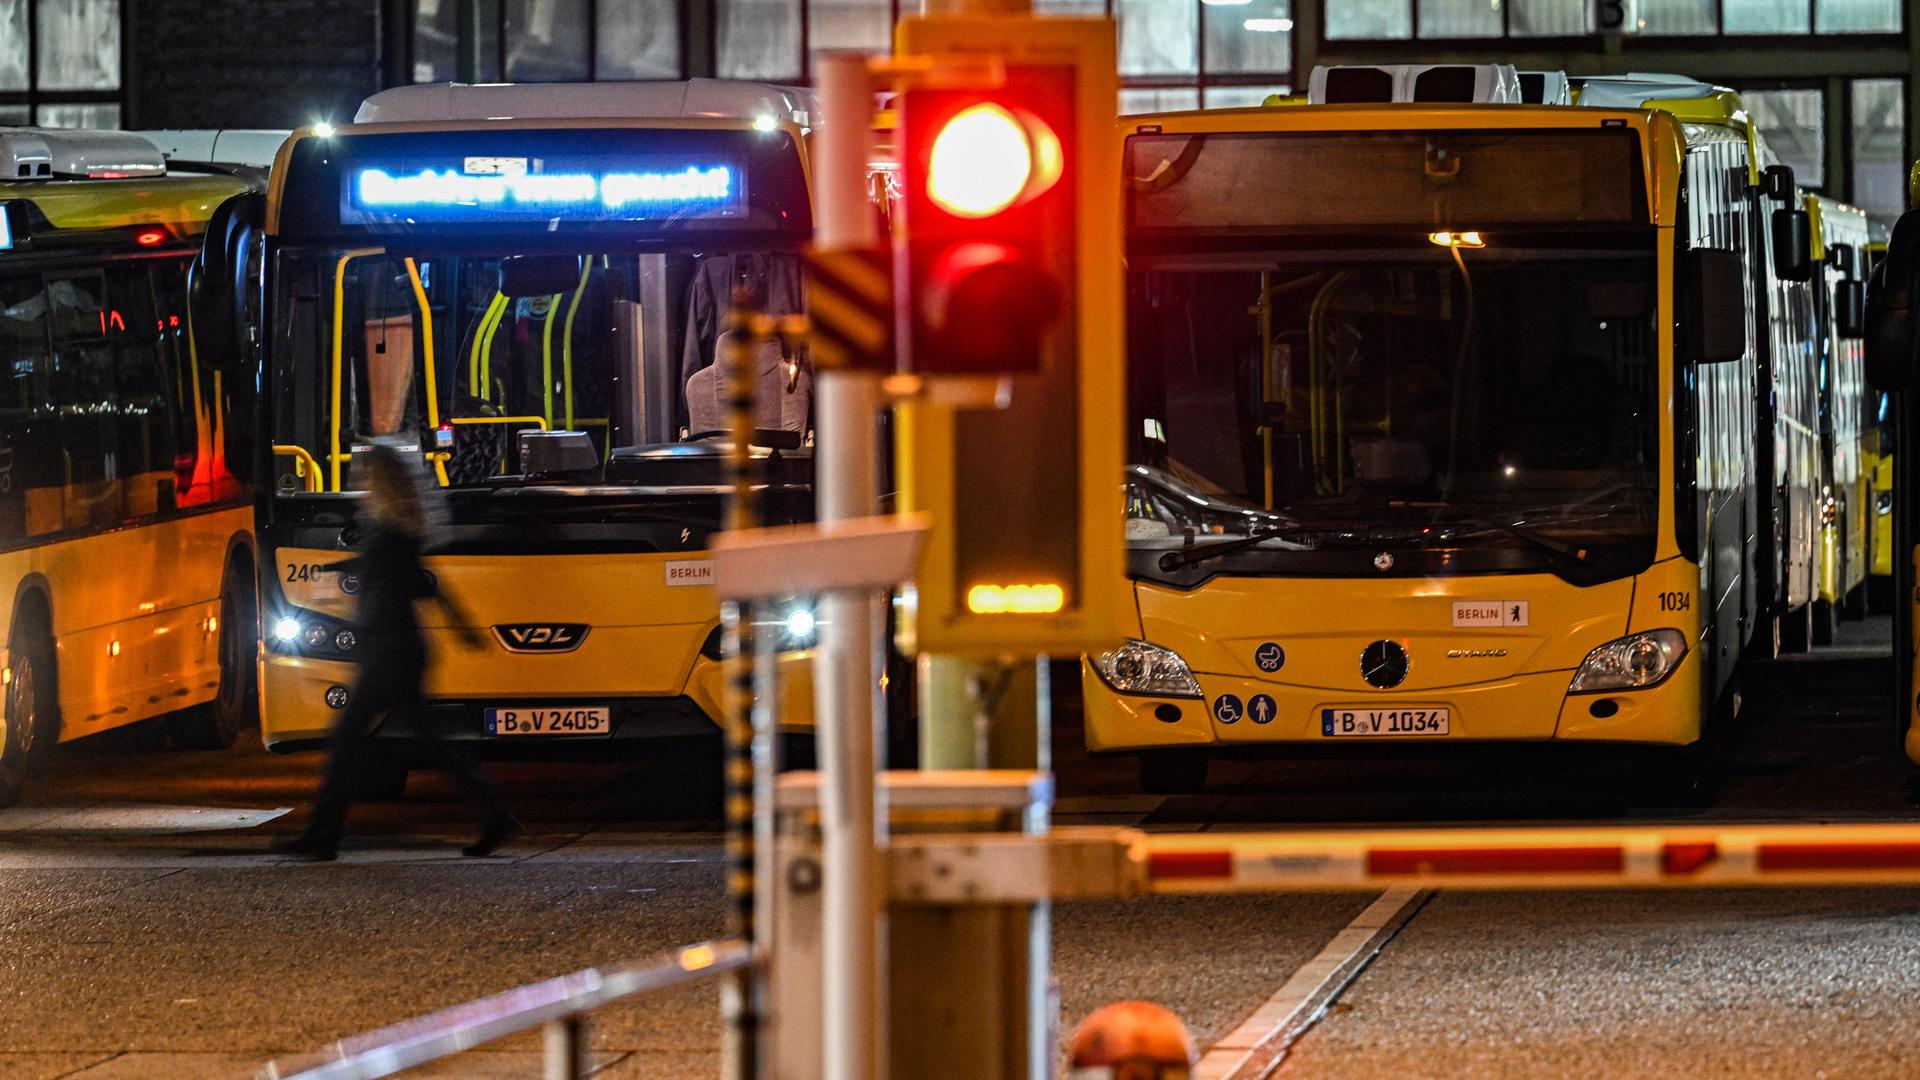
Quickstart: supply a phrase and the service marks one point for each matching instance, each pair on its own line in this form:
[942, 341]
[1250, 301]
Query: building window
[60, 62]
[1878, 151]
[1461, 20]
[1794, 124]
[550, 40]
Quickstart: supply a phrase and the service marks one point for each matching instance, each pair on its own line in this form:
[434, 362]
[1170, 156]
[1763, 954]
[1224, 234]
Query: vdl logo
[541, 637]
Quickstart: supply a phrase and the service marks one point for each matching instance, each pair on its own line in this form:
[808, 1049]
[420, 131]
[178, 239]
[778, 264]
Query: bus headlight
[1141, 668]
[307, 633]
[1634, 662]
[287, 631]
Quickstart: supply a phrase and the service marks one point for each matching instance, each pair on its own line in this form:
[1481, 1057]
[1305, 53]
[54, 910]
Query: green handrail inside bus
[480, 379]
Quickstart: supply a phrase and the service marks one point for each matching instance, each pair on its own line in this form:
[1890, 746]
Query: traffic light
[1008, 263]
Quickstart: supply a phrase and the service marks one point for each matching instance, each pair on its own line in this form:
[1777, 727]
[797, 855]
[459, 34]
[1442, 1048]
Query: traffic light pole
[848, 701]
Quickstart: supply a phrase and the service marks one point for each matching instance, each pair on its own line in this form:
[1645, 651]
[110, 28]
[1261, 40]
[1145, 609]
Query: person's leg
[347, 749]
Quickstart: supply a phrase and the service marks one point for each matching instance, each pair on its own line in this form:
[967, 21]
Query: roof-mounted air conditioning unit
[1545, 88]
[24, 155]
[43, 153]
[1429, 83]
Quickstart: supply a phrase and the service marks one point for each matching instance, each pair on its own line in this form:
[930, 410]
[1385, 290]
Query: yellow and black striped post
[744, 328]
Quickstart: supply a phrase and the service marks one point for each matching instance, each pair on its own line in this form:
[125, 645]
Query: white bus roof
[220, 146]
[432, 102]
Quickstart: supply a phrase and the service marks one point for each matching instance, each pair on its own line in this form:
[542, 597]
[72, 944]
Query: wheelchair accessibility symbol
[1270, 657]
[1227, 709]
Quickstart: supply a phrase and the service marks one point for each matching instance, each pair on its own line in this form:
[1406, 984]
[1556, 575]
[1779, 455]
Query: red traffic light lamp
[989, 222]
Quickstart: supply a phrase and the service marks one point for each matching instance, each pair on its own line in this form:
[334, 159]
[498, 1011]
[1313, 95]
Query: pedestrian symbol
[1227, 710]
[1269, 657]
[1261, 708]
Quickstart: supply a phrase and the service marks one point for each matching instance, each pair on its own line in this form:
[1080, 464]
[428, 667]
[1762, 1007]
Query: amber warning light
[1041, 599]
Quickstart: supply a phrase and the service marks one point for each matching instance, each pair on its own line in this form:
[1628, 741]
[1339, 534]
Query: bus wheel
[217, 724]
[1173, 772]
[27, 722]
[1826, 618]
[1854, 606]
[1796, 629]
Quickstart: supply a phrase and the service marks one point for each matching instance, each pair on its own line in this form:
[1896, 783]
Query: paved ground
[145, 933]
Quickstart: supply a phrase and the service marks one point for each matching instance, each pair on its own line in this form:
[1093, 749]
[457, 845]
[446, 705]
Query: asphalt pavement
[145, 931]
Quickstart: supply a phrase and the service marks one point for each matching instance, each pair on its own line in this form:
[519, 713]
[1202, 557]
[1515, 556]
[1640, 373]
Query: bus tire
[1826, 618]
[1796, 629]
[236, 705]
[1854, 606]
[1173, 772]
[31, 706]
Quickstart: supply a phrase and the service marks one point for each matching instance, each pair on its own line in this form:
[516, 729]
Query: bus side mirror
[1716, 305]
[218, 315]
[1777, 182]
[1792, 245]
[1850, 308]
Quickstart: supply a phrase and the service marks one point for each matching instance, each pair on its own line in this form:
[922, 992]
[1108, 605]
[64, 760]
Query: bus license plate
[556, 720]
[1337, 723]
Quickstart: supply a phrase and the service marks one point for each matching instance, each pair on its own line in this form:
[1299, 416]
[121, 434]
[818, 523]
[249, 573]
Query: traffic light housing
[1008, 263]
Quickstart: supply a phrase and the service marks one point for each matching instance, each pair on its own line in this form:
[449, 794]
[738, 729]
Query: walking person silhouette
[393, 661]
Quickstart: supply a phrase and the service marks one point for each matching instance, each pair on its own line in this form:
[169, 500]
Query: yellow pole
[566, 336]
[546, 356]
[339, 320]
[433, 386]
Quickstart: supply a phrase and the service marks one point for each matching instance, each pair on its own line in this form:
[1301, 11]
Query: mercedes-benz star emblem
[1383, 561]
[1383, 664]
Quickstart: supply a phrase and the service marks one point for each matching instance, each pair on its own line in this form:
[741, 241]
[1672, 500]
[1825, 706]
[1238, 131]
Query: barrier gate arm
[1095, 862]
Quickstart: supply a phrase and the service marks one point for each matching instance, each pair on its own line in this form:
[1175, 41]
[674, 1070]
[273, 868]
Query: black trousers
[392, 691]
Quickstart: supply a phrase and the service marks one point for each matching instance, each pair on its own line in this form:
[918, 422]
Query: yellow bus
[527, 286]
[1848, 443]
[1450, 420]
[125, 522]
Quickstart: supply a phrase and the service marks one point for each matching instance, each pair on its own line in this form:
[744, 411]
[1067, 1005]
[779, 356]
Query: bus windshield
[459, 355]
[1426, 396]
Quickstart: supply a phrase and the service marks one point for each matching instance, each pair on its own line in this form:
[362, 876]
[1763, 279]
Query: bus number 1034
[1676, 601]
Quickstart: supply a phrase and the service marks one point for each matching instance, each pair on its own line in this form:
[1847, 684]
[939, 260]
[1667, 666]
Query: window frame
[1719, 35]
[34, 97]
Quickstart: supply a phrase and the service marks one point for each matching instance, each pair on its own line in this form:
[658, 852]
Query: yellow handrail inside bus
[546, 355]
[307, 469]
[433, 386]
[566, 336]
[501, 306]
[334, 457]
[533, 421]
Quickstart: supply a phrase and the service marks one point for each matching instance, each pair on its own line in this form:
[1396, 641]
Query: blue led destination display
[506, 189]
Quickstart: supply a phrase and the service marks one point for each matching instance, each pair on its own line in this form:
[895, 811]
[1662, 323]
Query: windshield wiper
[1188, 556]
[1568, 553]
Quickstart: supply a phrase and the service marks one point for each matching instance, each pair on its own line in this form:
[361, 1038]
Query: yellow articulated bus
[1449, 420]
[1847, 437]
[527, 286]
[125, 519]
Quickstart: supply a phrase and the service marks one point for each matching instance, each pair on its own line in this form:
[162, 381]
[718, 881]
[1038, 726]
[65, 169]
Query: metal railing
[558, 1005]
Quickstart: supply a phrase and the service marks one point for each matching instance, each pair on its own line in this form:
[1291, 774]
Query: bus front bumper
[1525, 707]
[295, 715]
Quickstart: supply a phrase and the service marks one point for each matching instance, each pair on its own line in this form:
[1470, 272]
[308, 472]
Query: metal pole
[741, 995]
[849, 706]
[566, 1048]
